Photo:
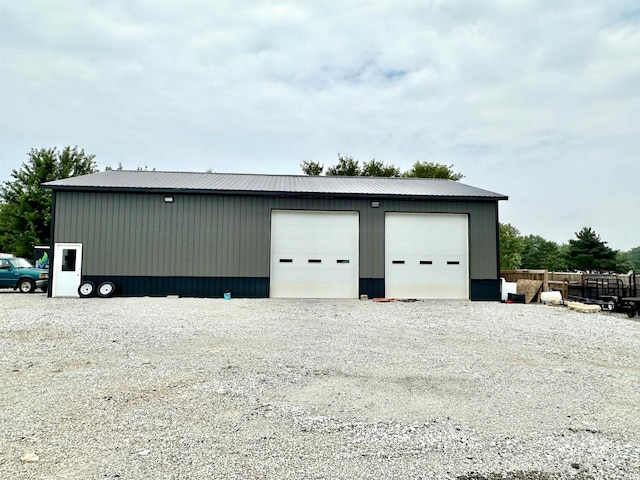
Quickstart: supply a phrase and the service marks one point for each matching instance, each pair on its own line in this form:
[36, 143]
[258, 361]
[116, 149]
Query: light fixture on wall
[168, 199]
[375, 204]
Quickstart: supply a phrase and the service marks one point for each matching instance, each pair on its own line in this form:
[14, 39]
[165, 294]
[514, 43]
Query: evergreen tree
[589, 253]
[25, 207]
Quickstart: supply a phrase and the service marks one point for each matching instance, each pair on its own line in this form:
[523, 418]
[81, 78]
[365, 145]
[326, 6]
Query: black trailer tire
[27, 285]
[106, 289]
[87, 289]
[631, 313]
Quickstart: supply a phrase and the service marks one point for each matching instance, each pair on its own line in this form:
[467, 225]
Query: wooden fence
[561, 281]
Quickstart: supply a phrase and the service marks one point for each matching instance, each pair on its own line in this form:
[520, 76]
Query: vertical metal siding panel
[163, 264]
[262, 245]
[177, 222]
[195, 256]
[222, 226]
[371, 241]
[154, 261]
[143, 205]
[184, 237]
[105, 205]
[129, 218]
[231, 237]
[197, 205]
[200, 240]
[66, 200]
[250, 240]
[123, 234]
[217, 236]
[202, 222]
[227, 244]
[247, 245]
[208, 232]
[119, 246]
[241, 230]
[131, 230]
[483, 241]
[107, 208]
[145, 220]
[90, 254]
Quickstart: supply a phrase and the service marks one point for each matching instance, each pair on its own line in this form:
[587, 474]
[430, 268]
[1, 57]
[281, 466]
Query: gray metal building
[202, 234]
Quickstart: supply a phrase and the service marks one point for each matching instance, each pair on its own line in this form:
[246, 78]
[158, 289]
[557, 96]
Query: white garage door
[426, 255]
[314, 254]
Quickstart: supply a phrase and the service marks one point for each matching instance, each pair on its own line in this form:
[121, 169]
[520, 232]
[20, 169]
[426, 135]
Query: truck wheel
[106, 289]
[27, 286]
[87, 289]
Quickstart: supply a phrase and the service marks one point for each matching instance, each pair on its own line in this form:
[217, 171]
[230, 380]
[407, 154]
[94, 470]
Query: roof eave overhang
[269, 193]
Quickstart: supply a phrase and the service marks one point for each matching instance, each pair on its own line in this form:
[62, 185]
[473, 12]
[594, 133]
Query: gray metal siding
[138, 234]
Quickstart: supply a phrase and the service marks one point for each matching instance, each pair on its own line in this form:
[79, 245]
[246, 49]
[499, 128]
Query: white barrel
[553, 297]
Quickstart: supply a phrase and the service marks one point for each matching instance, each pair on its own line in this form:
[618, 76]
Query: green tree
[511, 247]
[634, 257]
[376, 168]
[433, 170]
[25, 207]
[346, 166]
[589, 253]
[623, 262]
[311, 168]
[539, 253]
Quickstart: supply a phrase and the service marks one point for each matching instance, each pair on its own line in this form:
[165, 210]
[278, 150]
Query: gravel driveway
[168, 388]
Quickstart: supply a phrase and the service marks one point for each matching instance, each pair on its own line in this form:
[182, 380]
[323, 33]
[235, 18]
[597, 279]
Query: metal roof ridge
[289, 175]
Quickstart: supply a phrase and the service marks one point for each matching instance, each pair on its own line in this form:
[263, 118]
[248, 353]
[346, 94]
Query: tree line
[25, 211]
[586, 252]
[349, 167]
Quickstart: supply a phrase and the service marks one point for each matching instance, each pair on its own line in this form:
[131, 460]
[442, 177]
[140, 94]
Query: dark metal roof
[233, 183]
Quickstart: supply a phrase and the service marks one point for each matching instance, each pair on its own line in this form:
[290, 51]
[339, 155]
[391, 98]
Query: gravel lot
[168, 388]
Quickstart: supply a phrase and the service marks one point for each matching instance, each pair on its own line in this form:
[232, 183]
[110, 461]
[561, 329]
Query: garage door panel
[314, 254]
[426, 256]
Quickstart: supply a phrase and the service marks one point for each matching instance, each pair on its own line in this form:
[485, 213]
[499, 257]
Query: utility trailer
[610, 292]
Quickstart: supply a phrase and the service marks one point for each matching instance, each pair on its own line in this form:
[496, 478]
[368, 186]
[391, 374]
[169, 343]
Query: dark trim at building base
[210, 287]
[373, 287]
[248, 287]
[485, 290]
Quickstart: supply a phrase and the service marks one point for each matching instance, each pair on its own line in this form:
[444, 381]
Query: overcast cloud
[537, 100]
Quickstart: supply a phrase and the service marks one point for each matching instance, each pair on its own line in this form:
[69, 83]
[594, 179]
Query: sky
[536, 100]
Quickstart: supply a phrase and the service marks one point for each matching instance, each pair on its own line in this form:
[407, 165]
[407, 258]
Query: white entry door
[67, 269]
[426, 255]
[314, 254]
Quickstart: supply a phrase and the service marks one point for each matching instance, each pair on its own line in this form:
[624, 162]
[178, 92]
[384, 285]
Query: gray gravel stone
[171, 388]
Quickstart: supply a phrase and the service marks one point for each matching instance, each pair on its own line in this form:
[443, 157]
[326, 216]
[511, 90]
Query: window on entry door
[68, 260]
